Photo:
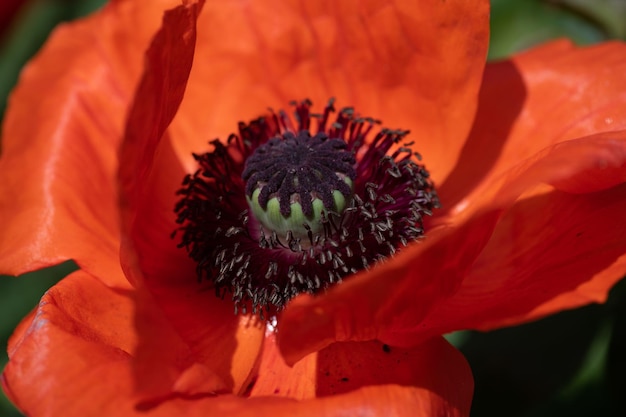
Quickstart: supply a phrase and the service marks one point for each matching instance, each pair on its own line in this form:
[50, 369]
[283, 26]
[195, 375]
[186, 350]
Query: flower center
[292, 181]
[276, 210]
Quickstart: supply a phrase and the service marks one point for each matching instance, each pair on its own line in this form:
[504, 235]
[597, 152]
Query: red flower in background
[529, 156]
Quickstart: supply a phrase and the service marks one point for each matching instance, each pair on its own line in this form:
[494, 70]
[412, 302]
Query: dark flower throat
[280, 210]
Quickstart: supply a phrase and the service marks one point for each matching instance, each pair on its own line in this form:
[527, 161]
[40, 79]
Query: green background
[571, 364]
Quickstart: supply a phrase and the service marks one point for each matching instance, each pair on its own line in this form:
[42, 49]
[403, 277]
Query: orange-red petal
[73, 357]
[415, 66]
[405, 300]
[550, 252]
[542, 97]
[553, 250]
[387, 302]
[59, 141]
[78, 338]
[433, 370]
[209, 348]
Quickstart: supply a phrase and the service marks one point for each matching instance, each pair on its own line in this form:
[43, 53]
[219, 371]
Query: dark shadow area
[500, 101]
[543, 368]
[616, 359]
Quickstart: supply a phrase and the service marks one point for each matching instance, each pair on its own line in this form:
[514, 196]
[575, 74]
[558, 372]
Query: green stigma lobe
[296, 222]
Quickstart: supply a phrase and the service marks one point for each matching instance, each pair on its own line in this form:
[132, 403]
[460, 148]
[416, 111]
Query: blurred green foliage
[519, 24]
[570, 364]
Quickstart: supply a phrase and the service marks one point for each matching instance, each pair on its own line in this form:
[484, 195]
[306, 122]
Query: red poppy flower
[528, 155]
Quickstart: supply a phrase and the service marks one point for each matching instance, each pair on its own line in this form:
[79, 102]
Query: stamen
[277, 210]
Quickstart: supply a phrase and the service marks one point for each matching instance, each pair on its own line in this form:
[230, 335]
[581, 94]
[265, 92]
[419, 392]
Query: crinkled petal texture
[63, 125]
[434, 370]
[73, 357]
[208, 348]
[534, 220]
[414, 66]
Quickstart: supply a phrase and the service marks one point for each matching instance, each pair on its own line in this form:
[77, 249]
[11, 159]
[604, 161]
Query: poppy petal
[74, 357]
[61, 132]
[82, 332]
[551, 251]
[386, 302]
[214, 352]
[554, 248]
[434, 370]
[386, 400]
[204, 337]
[415, 66]
[464, 259]
[76, 340]
[436, 268]
[542, 97]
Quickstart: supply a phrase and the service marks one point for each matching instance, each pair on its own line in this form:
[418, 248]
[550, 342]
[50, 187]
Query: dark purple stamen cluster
[263, 270]
[299, 164]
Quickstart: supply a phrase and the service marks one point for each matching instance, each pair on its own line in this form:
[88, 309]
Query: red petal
[381, 401]
[442, 265]
[67, 360]
[389, 301]
[275, 377]
[73, 356]
[540, 98]
[555, 250]
[61, 132]
[193, 344]
[434, 370]
[416, 67]
[522, 267]
[203, 335]
[74, 359]
[550, 252]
